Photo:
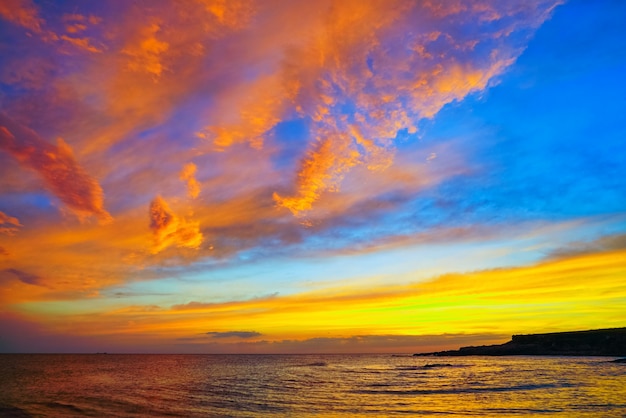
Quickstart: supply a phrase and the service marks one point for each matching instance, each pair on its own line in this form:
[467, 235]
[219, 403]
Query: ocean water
[308, 385]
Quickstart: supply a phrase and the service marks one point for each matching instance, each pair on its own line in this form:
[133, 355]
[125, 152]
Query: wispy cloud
[501, 301]
[26, 14]
[24, 277]
[322, 170]
[613, 242]
[57, 166]
[23, 13]
[234, 334]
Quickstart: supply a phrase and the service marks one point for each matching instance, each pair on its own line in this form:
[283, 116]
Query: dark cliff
[600, 342]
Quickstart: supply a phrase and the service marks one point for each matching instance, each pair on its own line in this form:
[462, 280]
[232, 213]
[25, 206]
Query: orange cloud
[8, 224]
[57, 166]
[26, 14]
[83, 43]
[188, 175]
[261, 111]
[230, 14]
[76, 23]
[75, 28]
[169, 229]
[152, 60]
[321, 170]
[23, 13]
[75, 17]
[362, 72]
[146, 56]
[74, 263]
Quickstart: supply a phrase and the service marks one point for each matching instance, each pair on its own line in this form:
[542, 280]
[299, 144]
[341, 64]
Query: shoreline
[609, 342]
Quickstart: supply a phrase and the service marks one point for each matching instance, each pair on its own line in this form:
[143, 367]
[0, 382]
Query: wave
[317, 364]
[64, 407]
[429, 366]
[457, 391]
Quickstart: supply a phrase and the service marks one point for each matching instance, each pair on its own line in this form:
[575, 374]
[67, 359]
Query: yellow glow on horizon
[577, 293]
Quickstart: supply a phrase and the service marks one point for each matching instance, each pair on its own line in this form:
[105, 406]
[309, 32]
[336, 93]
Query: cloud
[379, 343]
[8, 224]
[146, 55]
[83, 43]
[169, 229]
[25, 277]
[393, 66]
[248, 121]
[321, 170]
[234, 334]
[194, 305]
[228, 14]
[188, 175]
[361, 73]
[501, 301]
[612, 242]
[23, 13]
[356, 77]
[57, 166]
[20, 333]
[75, 23]
[26, 14]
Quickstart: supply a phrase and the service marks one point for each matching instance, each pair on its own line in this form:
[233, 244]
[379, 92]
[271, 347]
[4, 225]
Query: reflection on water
[253, 385]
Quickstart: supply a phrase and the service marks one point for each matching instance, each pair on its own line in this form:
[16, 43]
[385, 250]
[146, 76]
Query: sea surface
[110, 385]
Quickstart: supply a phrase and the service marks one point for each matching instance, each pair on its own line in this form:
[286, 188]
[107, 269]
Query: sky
[212, 176]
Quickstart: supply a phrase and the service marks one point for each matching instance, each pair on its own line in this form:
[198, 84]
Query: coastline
[610, 342]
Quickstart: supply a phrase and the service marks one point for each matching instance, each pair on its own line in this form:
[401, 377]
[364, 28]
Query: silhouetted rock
[599, 342]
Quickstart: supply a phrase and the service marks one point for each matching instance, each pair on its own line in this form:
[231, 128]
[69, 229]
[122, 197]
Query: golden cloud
[321, 170]
[169, 229]
[231, 14]
[145, 56]
[188, 175]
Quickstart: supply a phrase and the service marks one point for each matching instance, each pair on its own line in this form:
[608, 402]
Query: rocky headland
[599, 342]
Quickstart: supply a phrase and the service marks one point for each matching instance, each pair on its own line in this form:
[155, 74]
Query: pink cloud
[57, 166]
[8, 224]
[23, 13]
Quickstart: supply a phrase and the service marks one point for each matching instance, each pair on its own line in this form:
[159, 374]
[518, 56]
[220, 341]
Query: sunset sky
[272, 176]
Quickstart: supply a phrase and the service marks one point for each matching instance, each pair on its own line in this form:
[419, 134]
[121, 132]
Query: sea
[128, 385]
